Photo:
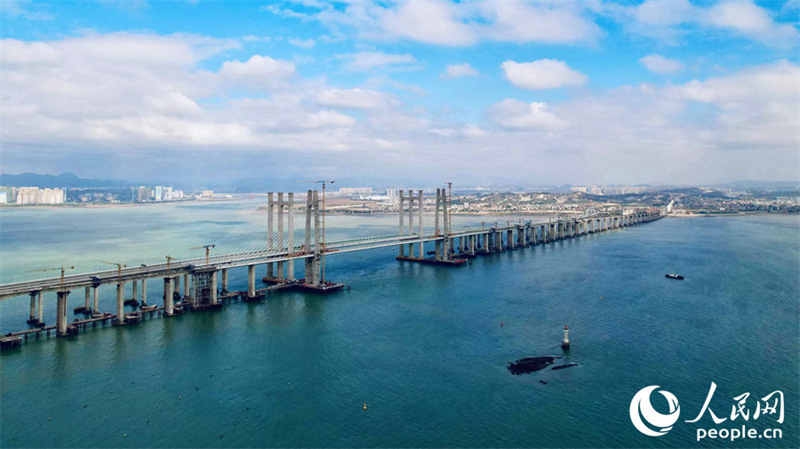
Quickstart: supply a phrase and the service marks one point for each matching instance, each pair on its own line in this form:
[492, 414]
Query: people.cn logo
[646, 419]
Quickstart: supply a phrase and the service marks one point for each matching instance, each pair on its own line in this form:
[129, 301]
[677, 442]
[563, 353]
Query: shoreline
[108, 205]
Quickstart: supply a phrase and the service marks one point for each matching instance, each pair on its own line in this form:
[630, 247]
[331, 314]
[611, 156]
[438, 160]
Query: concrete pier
[309, 263]
[40, 308]
[224, 274]
[401, 249]
[120, 320]
[251, 281]
[270, 232]
[169, 305]
[290, 236]
[33, 319]
[281, 239]
[213, 289]
[144, 294]
[62, 327]
[420, 204]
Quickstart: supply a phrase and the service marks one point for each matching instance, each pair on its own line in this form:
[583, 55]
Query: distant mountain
[64, 180]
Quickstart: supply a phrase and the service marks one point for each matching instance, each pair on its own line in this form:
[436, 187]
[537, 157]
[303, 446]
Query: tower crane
[62, 268]
[206, 247]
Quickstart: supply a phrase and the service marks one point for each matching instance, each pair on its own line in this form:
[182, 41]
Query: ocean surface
[424, 347]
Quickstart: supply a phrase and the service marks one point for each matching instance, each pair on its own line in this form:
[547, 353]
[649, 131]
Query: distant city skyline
[407, 93]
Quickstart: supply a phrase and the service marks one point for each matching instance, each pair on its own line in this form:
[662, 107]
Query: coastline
[107, 205]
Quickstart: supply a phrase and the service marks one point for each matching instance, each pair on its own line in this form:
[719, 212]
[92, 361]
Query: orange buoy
[365, 406]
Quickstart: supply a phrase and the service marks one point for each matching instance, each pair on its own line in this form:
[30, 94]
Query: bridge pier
[144, 294]
[251, 281]
[36, 320]
[401, 248]
[421, 246]
[309, 263]
[120, 319]
[186, 285]
[410, 220]
[315, 263]
[204, 289]
[270, 233]
[279, 276]
[169, 305]
[290, 234]
[62, 327]
[213, 289]
[224, 275]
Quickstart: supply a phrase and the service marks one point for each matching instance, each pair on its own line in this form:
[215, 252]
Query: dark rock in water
[530, 364]
[540, 380]
[564, 366]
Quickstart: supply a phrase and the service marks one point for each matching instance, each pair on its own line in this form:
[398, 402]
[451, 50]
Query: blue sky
[514, 92]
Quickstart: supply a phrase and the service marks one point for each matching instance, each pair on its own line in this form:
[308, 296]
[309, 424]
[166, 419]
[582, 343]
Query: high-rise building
[35, 195]
[355, 191]
[144, 193]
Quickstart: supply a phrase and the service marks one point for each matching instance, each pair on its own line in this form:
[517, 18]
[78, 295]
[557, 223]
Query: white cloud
[515, 21]
[448, 23]
[302, 43]
[671, 20]
[354, 98]
[752, 21]
[260, 71]
[366, 61]
[432, 22]
[542, 74]
[516, 115]
[161, 97]
[661, 65]
[458, 70]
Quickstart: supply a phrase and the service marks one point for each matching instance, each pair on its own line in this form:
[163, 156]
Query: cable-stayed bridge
[295, 231]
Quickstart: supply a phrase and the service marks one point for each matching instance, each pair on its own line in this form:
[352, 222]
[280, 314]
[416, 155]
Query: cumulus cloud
[370, 60]
[448, 23]
[671, 20]
[302, 43]
[163, 94]
[458, 70]
[260, 71]
[542, 74]
[516, 115]
[354, 98]
[661, 65]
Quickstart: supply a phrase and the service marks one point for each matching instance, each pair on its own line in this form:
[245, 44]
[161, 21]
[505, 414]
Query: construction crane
[324, 183]
[119, 266]
[169, 258]
[62, 268]
[207, 248]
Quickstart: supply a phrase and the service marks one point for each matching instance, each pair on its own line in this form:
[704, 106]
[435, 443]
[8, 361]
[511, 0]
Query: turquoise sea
[422, 346]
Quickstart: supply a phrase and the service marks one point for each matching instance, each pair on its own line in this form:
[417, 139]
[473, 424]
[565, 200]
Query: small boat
[674, 276]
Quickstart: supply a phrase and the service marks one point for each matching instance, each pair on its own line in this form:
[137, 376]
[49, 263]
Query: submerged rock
[530, 364]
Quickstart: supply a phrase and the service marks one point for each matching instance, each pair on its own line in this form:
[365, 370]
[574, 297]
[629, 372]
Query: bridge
[205, 280]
